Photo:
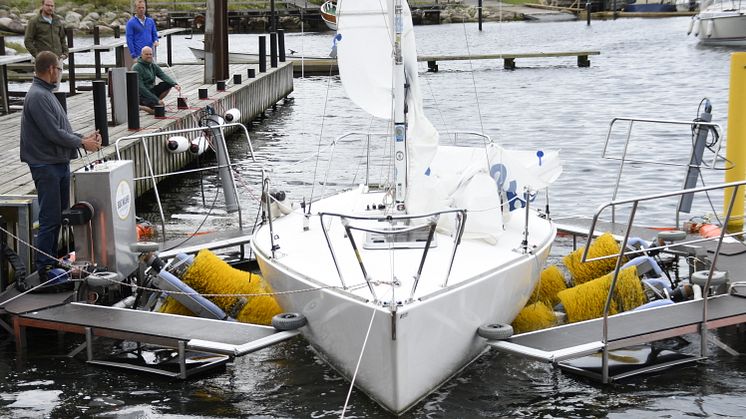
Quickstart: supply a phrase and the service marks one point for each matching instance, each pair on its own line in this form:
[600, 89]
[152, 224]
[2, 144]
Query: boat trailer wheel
[288, 321]
[495, 331]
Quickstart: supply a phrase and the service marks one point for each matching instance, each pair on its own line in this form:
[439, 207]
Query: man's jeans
[53, 190]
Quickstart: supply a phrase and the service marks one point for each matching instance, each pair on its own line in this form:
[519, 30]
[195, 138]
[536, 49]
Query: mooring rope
[69, 268]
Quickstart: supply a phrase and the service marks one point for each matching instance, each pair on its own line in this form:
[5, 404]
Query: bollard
[479, 14]
[221, 85]
[133, 101]
[236, 79]
[202, 93]
[181, 103]
[251, 73]
[273, 49]
[735, 150]
[99, 110]
[588, 12]
[159, 111]
[262, 54]
[281, 44]
[62, 98]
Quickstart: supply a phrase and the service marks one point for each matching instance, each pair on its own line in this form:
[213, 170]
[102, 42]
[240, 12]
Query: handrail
[431, 224]
[635, 202]
[144, 137]
[711, 127]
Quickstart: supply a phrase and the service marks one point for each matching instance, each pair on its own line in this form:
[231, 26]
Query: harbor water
[648, 68]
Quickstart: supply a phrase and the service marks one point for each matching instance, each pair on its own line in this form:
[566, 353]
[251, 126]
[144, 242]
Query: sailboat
[395, 282]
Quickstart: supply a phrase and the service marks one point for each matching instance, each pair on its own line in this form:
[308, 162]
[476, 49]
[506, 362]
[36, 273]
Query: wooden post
[583, 61]
[4, 80]
[432, 66]
[216, 41]
[70, 61]
[118, 51]
[479, 14]
[169, 51]
[273, 49]
[262, 54]
[509, 63]
[97, 53]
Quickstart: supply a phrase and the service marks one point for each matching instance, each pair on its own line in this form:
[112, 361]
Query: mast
[400, 124]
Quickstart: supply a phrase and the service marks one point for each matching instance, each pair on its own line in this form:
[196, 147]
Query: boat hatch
[413, 239]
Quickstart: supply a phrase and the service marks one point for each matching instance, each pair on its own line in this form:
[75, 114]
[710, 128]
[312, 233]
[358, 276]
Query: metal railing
[634, 202]
[695, 127]
[155, 177]
[399, 224]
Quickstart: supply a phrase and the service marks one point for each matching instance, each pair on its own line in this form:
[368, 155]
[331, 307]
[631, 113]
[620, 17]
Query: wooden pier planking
[252, 98]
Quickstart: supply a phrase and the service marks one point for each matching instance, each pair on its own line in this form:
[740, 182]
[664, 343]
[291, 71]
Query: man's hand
[92, 141]
[178, 88]
[155, 44]
[63, 57]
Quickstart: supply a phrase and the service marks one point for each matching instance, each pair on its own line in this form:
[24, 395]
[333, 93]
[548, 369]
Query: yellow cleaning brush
[534, 316]
[587, 301]
[209, 274]
[550, 283]
[604, 245]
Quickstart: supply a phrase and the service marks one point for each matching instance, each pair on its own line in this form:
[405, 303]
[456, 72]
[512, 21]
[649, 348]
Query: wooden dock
[508, 59]
[252, 97]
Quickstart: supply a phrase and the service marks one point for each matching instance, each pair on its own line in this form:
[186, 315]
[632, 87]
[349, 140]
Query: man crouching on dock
[48, 143]
[151, 94]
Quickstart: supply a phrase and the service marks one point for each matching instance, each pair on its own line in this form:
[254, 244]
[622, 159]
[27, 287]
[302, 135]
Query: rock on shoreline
[84, 18]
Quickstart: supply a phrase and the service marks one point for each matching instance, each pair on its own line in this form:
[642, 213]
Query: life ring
[495, 331]
[288, 321]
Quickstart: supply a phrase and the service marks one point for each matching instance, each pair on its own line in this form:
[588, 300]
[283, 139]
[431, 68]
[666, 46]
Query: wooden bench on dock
[508, 59]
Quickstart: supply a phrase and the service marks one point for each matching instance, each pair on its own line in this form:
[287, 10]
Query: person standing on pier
[140, 31]
[147, 73]
[47, 145]
[46, 32]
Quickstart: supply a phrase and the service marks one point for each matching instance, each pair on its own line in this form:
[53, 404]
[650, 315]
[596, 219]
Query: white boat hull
[412, 350]
[721, 28]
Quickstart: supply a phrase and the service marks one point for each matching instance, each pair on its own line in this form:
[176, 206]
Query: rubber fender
[495, 331]
[288, 321]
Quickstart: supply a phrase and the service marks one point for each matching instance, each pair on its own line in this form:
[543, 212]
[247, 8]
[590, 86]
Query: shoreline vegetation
[82, 16]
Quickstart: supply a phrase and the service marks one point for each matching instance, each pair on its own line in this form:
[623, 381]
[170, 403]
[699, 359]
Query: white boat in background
[249, 58]
[396, 281]
[329, 14]
[721, 23]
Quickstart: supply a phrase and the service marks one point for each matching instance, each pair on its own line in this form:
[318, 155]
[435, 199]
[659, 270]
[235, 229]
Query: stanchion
[281, 44]
[133, 101]
[159, 111]
[202, 92]
[221, 85]
[251, 73]
[262, 54]
[62, 98]
[3, 244]
[273, 50]
[236, 79]
[99, 110]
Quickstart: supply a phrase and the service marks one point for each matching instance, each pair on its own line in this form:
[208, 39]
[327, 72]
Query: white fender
[199, 145]
[177, 144]
[708, 28]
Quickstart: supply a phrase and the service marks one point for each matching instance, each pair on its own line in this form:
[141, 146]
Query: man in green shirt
[147, 74]
[46, 32]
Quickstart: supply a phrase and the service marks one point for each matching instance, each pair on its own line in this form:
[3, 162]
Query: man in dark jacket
[147, 74]
[46, 32]
[48, 143]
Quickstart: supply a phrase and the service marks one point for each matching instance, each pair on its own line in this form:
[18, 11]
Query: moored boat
[721, 23]
[329, 14]
[395, 282]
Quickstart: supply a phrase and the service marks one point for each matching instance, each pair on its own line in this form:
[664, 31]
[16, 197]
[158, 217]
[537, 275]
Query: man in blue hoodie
[140, 31]
[48, 143]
